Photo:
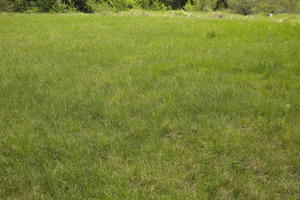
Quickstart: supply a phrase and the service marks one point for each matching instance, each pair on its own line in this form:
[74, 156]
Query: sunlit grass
[149, 107]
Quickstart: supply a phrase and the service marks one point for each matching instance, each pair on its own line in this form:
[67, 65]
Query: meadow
[149, 106]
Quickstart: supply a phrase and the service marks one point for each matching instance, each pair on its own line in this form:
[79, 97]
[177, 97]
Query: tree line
[90, 6]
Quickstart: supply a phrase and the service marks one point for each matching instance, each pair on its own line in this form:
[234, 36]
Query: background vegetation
[90, 6]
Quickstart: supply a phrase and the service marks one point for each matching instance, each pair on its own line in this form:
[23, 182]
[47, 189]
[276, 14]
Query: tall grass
[148, 107]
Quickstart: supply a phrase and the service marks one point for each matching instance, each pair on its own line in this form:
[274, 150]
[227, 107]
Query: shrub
[122, 4]
[205, 5]
[63, 7]
[200, 5]
[152, 5]
[6, 6]
[190, 6]
[174, 4]
[240, 6]
[102, 7]
[220, 4]
[46, 5]
[287, 6]
[256, 6]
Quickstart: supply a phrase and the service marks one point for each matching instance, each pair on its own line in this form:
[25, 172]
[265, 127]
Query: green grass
[149, 107]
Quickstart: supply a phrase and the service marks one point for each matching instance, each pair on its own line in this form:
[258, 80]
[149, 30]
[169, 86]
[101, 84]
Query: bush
[152, 5]
[102, 6]
[190, 6]
[240, 6]
[205, 5]
[122, 4]
[174, 4]
[220, 4]
[63, 8]
[46, 5]
[286, 6]
[257, 6]
[6, 6]
[200, 5]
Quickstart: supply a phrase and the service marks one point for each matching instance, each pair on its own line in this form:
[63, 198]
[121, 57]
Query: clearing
[149, 107]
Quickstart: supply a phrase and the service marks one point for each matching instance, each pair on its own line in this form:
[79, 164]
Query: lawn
[149, 107]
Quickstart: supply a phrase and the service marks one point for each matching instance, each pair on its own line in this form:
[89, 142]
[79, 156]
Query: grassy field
[149, 107]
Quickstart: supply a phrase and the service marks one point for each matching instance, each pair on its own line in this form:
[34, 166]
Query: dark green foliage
[84, 5]
[46, 5]
[25, 5]
[257, 6]
[6, 6]
[153, 4]
[89, 6]
[175, 4]
[201, 5]
[221, 4]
